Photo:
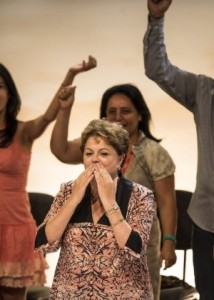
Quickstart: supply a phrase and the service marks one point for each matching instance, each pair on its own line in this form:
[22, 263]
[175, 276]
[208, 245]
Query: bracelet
[169, 237]
[117, 223]
[111, 210]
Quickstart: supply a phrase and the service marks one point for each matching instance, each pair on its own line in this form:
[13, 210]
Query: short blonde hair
[111, 132]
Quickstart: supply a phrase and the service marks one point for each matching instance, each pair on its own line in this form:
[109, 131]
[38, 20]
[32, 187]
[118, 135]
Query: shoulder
[65, 190]
[141, 190]
[21, 135]
[150, 145]
[67, 186]
[151, 149]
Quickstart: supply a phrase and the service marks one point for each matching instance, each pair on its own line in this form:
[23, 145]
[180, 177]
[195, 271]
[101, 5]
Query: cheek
[86, 161]
[111, 165]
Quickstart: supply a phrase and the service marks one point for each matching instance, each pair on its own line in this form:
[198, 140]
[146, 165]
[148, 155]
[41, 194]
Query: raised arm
[31, 130]
[68, 151]
[177, 83]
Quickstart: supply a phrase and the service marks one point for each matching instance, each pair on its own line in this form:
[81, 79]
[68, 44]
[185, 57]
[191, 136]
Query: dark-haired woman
[147, 163]
[20, 266]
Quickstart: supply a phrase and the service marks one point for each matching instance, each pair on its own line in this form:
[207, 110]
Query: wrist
[154, 18]
[169, 237]
[111, 210]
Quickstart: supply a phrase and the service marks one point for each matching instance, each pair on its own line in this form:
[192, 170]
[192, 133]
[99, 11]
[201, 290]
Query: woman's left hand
[106, 186]
[66, 96]
[168, 254]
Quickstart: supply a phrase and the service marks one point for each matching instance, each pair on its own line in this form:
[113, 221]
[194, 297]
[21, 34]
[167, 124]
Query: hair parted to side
[111, 132]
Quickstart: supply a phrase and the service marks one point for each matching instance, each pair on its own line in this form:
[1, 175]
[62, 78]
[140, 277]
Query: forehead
[96, 140]
[98, 143]
[119, 100]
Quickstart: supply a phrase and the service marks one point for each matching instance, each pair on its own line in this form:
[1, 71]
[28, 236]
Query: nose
[95, 159]
[117, 116]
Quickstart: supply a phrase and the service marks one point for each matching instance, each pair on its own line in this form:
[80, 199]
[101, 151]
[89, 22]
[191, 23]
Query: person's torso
[14, 166]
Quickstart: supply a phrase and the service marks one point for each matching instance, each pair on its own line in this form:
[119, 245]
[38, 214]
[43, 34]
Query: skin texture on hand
[66, 96]
[79, 68]
[157, 9]
[66, 92]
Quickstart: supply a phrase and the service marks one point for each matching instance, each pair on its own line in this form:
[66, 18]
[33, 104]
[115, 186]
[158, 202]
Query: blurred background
[41, 39]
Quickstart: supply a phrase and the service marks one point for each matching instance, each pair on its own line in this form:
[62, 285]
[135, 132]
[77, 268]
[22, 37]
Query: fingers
[100, 172]
[92, 63]
[169, 263]
[87, 65]
[158, 8]
[66, 97]
[79, 68]
[84, 178]
[81, 184]
[87, 172]
[66, 92]
[103, 179]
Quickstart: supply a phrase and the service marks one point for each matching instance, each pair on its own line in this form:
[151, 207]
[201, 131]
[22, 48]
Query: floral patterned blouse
[91, 265]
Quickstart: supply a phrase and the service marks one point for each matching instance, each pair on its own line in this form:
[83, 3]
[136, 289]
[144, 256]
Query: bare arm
[31, 130]
[67, 151]
[166, 201]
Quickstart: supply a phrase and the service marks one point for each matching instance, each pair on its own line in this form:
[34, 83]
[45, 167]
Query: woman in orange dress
[20, 266]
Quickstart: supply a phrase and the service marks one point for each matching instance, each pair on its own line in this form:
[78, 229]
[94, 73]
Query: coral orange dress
[20, 265]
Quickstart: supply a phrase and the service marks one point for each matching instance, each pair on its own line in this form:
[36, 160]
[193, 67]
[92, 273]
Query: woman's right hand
[66, 92]
[82, 67]
[81, 183]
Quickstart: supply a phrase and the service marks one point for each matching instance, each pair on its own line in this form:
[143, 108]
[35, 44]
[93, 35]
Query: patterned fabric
[151, 162]
[20, 266]
[91, 264]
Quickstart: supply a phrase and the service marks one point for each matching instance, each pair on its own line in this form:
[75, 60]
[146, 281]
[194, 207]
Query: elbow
[149, 73]
[150, 69]
[57, 152]
[153, 73]
[54, 151]
[53, 148]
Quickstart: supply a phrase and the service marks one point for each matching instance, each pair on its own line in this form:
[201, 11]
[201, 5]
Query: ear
[121, 159]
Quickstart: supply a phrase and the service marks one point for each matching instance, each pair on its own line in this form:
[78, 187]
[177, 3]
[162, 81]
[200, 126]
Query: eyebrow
[98, 150]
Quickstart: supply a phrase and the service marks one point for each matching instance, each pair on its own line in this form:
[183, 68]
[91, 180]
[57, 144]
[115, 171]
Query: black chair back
[40, 205]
